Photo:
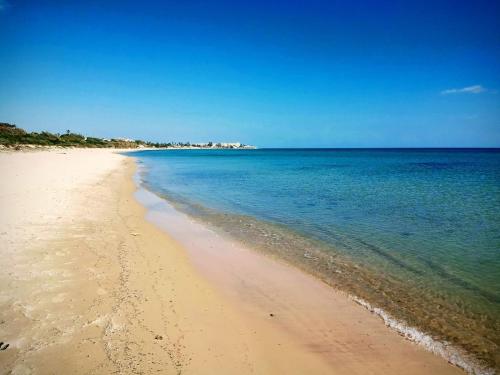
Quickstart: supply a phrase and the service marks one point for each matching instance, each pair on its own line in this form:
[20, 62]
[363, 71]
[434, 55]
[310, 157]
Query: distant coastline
[13, 137]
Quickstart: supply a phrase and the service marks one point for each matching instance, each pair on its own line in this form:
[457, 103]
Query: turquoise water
[416, 232]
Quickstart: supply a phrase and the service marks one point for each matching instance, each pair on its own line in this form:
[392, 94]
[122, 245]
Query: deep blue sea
[413, 231]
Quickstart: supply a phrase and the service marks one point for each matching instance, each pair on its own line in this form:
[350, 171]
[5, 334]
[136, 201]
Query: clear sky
[271, 73]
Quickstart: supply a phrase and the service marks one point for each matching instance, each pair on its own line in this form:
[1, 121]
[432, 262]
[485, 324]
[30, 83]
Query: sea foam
[452, 354]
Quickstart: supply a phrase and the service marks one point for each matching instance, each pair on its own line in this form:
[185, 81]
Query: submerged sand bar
[90, 286]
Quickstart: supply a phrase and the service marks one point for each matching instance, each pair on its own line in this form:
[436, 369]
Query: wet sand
[91, 287]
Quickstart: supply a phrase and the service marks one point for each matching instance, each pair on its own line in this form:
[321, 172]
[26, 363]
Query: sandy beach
[99, 278]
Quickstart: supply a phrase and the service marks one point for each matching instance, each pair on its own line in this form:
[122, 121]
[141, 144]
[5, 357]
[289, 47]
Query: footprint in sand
[3, 346]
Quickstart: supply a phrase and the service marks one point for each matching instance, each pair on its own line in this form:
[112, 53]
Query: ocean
[413, 232]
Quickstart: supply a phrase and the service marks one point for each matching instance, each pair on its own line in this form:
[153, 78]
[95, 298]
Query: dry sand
[88, 286]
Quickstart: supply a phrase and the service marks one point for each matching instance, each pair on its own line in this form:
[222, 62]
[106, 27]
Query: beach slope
[88, 286]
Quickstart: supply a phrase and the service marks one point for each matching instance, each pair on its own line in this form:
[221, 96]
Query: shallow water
[415, 232]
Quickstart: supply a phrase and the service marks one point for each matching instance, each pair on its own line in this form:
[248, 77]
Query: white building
[231, 145]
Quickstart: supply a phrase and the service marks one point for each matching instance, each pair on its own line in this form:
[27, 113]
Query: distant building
[217, 145]
[231, 145]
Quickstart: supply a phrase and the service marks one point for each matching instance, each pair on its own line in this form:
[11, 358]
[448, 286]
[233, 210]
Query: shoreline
[227, 227]
[93, 287]
[182, 227]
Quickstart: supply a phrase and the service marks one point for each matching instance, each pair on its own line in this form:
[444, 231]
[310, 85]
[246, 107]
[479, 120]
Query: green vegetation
[13, 137]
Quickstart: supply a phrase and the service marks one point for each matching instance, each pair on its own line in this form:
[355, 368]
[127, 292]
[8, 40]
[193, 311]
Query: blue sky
[274, 74]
